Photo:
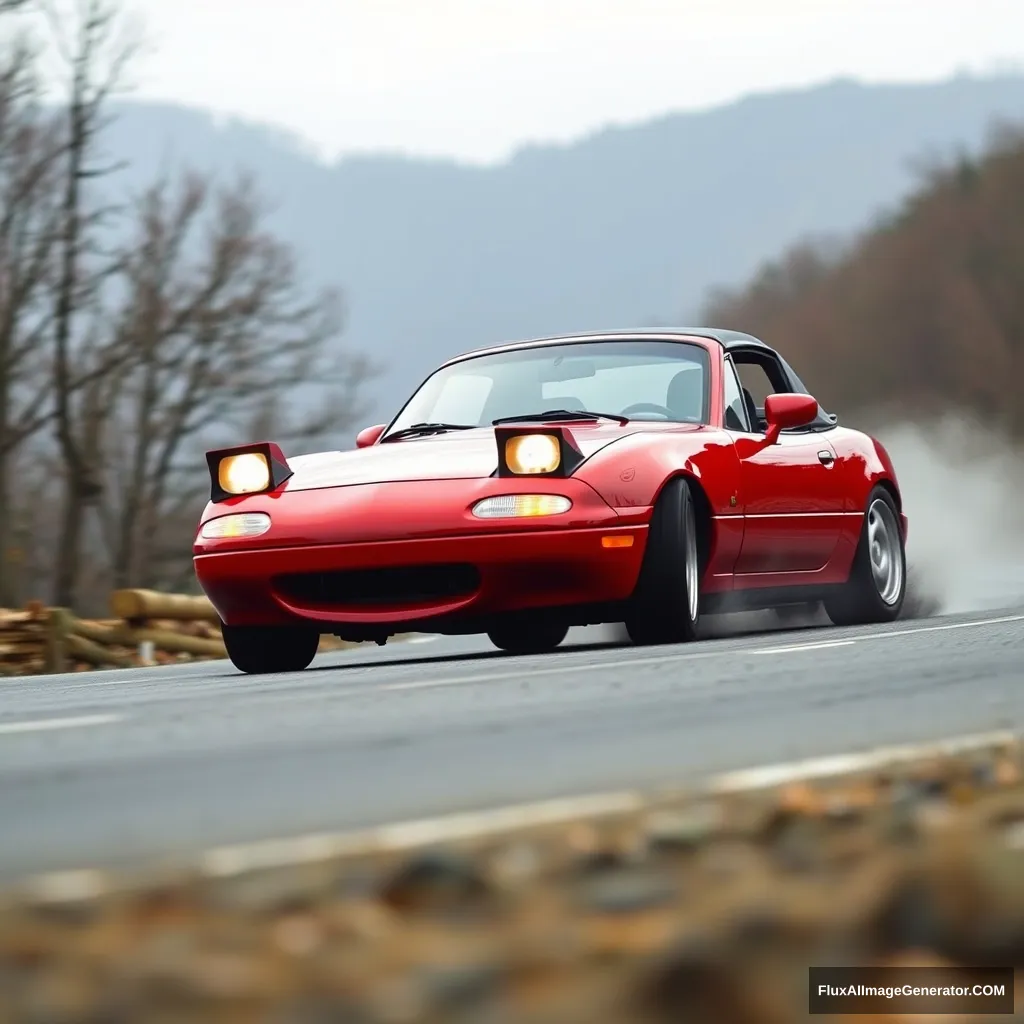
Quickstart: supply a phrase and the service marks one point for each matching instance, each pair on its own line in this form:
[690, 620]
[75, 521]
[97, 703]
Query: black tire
[258, 650]
[532, 637]
[871, 594]
[665, 607]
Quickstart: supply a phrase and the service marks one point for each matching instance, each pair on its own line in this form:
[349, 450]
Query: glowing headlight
[532, 453]
[244, 524]
[509, 506]
[244, 474]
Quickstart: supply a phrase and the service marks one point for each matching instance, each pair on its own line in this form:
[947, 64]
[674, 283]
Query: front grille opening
[394, 585]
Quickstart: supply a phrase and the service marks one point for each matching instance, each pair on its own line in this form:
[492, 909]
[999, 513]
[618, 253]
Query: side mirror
[784, 411]
[369, 435]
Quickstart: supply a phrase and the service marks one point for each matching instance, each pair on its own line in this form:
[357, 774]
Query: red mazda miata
[643, 478]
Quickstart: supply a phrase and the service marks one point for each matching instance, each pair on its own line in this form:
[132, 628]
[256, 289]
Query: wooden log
[15, 648]
[55, 658]
[96, 654]
[143, 605]
[177, 643]
[97, 633]
[162, 640]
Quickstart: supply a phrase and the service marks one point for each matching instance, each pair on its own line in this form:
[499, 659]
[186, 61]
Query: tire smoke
[962, 490]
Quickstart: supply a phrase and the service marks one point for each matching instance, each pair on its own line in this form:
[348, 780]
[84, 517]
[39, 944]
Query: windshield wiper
[561, 414]
[422, 429]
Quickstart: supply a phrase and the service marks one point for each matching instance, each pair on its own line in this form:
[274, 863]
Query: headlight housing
[248, 473]
[530, 454]
[246, 469]
[521, 506]
[240, 525]
[536, 451]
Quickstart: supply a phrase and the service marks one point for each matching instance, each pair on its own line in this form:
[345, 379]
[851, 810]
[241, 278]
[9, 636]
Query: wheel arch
[702, 512]
[889, 486]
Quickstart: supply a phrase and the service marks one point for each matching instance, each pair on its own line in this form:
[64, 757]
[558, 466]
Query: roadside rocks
[693, 909]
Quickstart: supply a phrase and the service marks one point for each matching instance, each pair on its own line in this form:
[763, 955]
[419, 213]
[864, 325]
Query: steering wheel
[649, 407]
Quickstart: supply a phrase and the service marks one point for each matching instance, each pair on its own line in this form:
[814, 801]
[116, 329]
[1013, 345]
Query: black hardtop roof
[726, 338]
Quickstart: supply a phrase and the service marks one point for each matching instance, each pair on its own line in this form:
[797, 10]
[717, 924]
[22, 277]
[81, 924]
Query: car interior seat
[685, 396]
[570, 402]
[756, 422]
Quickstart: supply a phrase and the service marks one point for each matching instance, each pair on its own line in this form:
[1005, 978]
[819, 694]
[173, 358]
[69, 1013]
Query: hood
[462, 455]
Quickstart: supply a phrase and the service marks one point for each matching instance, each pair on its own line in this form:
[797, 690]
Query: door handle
[827, 459]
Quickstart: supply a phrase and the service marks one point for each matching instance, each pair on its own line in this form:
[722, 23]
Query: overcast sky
[476, 78]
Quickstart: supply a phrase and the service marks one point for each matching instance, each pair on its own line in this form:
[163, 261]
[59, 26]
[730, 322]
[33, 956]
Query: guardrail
[146, 628]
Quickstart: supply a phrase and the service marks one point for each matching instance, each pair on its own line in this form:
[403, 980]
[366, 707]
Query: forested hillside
[922, 314]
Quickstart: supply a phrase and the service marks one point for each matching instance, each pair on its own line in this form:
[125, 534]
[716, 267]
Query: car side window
[764, 373]
[759, 378]
[735, 417]
[756, 383]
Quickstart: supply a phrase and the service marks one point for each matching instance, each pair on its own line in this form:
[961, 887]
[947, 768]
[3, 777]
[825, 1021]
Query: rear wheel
[878, 579]
[665, 607]
[535, 637]
[257, 650]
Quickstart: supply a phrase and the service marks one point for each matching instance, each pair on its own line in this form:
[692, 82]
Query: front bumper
[507, 571]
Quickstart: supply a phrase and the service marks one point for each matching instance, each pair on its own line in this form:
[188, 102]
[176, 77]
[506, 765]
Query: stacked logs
[23, 640]
[147, 628]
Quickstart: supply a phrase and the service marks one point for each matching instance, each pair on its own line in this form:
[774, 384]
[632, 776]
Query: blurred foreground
[706, 908]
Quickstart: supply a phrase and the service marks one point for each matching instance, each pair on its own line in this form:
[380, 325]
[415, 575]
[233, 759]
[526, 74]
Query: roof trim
[726, 338]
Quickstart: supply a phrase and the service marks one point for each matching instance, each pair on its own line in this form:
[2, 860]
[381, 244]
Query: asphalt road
[166, 762]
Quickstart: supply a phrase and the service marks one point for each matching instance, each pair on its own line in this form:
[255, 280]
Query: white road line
[805, 647]
[530, 671]
[47, 724]
[460, 826]
[69, 886]
[225, 861]
[943, 628]
[845, 764]
[230, 860]
[527, 672]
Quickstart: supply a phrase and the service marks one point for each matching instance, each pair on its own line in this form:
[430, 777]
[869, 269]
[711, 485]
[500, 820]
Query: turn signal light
[511, 506]
[244, 524]
[617, 541]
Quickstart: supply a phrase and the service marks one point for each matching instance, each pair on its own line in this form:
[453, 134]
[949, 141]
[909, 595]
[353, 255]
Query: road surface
[161, 763]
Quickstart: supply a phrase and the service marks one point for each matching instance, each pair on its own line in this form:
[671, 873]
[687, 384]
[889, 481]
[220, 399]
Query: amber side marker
[616, 542]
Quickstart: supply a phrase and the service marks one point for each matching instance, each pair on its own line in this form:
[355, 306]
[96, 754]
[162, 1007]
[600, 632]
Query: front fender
[630, 473]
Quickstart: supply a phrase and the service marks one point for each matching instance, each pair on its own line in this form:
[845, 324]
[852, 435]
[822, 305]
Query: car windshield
[637, 378]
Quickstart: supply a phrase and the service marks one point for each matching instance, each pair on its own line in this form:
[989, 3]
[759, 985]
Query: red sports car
[619, 477]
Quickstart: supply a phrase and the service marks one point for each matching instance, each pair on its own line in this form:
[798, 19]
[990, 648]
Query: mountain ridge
[629, 224]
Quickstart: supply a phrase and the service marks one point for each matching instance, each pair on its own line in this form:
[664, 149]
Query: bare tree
[29, 192]
[96, 57]
[193, 331]
[225, 342]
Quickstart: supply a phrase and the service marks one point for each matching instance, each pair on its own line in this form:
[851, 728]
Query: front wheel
[536, 637]
[258, 650]
[665, 607]
[878, 580]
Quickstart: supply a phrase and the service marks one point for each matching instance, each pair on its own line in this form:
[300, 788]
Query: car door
[791, 493]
